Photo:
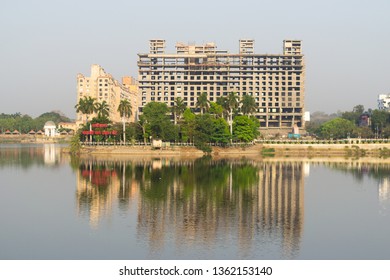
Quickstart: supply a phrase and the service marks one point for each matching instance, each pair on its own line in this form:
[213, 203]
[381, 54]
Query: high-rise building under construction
[276, 81]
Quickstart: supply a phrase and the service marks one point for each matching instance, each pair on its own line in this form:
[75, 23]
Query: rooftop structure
[276, 81]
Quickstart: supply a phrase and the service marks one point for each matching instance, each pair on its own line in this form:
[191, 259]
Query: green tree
[203, 103]
[354, 115]
[337, 128]
[386, 131]
[143, 124]
[125, 110]
[245, 128]
[364, 132]
[379, 120]
[216, 110]
[203, 130]
[220, 131]
[223, 102]
[248, 104]
[86, 106]
[158, 122]
[188, 127]
[178, 109]
[24, 124]
[102, 109]
[232, 105]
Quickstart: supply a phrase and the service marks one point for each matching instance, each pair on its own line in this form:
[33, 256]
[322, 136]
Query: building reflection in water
[384, 194]
[198, 201]
[378, 170]
[29, 155]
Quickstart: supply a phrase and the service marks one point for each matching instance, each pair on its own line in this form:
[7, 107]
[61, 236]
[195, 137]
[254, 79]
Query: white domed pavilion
[50, 129]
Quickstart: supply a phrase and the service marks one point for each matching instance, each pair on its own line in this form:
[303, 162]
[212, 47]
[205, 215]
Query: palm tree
[142, 122]
[232, 104]
[203, 103]
[125, 109]
[178, 109]
[223, 102]
[102, 109]
[86, 106]
[248, 104]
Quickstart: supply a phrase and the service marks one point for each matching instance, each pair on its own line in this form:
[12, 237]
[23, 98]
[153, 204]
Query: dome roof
[50, 124]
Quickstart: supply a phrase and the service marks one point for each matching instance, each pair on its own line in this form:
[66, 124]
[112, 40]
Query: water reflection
[28, 155]
[379, 171]
[199, 201]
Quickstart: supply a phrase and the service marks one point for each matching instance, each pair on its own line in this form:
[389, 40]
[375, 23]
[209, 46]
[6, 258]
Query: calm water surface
[55, 207]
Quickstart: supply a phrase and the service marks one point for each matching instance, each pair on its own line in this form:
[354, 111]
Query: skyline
[47, 43]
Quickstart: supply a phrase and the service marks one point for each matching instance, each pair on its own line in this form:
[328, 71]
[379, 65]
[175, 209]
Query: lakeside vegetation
[218, 123]
[358, 123]
[229, 119]
[25, 123]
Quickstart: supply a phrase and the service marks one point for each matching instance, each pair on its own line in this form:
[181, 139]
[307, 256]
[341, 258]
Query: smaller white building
[50, 129]
[306, 117]
[384, 101]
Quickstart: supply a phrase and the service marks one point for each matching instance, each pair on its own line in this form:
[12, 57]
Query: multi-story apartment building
[276, 81]
[103, 87]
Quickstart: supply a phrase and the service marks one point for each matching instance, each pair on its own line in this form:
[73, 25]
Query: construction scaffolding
[276, 81]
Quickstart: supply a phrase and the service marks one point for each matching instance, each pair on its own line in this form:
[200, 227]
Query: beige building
[131, 85]
[276, 81]
[103, 87]
[66, 125]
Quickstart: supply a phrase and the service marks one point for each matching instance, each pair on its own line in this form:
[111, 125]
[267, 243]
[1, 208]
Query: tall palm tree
[102, 109]
[232, 104]
[203, 103]
[248, 104]
[223, 102]
[86, 106]
[125, 109]
[178, 109]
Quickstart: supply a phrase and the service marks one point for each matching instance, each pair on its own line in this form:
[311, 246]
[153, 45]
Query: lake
[53, 206]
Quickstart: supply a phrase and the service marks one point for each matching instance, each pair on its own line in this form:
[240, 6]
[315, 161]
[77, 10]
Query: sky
[46, 43]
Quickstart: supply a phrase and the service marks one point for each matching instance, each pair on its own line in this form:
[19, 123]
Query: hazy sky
[45, 43]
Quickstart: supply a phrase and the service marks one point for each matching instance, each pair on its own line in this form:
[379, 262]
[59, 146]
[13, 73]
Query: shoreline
[33, 139]
[262, 150]
[256, 150]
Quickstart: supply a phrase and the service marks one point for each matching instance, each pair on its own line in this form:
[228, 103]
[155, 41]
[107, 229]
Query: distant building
[50, 129]
[276, 81]
[103, 87]
[384, 102]
[131, 86]
[68, 126]
[306, 117]
[364, 120]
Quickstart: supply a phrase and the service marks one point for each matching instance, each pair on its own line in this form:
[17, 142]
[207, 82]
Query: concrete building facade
[103, 87]
[276, 81]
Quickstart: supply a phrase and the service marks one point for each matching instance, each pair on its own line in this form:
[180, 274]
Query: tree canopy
[158, 121]
[337, 128]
